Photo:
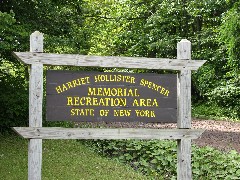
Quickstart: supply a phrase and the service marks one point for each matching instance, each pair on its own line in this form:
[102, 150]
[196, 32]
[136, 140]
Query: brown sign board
[111, 97]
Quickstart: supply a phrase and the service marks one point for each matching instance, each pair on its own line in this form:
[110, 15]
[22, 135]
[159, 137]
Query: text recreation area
[97, 96]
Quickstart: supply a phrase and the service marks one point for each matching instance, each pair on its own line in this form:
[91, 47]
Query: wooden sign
[122, 97]
[93, 97]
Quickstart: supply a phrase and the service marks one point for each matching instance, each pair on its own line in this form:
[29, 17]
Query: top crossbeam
[107, 61]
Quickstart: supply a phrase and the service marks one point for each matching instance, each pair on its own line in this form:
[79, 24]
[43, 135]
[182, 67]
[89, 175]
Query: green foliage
[158, 159]
[226, 93]
[213, 111]
[13, 96]
[227, 96]
[229, 36]
[13, 36]
[126, 28]
[13, 85]
[149, 157]
[208, 163]
[153, 28]
[62, 27]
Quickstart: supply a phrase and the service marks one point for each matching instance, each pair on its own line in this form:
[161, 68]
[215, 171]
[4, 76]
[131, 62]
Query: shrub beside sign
[123, 97]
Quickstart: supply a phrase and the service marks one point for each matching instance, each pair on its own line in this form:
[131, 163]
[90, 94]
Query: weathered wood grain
[184, 169]
[108, 61]
[35, 108]
[184, 99]
[34, 159]
[97, 133]
[35, 95]
[36, 42]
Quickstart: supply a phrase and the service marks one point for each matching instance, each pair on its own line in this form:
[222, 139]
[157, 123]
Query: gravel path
[222, 135]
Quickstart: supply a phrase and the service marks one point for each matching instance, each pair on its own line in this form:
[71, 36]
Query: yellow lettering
[69, 101]
[99, 91]
[162, 91]
[76, 101]
[122, 112]
[103, 112]
[72, 112]
[145, 102]
[95, 103]
[114, 78]
[145, 113]
[91, 112]
[87, 79]
[82, 112]
[154, 86]
[127, 78]
[119, 77]
[91, 91]
[72, 84]
[64, 88]
[58, 89]
[120, 92]
[149, 84]
[69, 84]
[81, 103]
[107, 101]
[88, 101]
[133, 80]
[75, 83]
[84, 80]
[159, 87]
[107, 91]
[166, 93]
[135, 93]
[102, 102]
[142, 102]
[155, 103]
[130, 92]
[135, 102]
[153, 114]
[112, 92]
[142, 82]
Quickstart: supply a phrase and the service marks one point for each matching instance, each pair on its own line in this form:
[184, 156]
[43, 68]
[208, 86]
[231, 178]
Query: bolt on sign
[122, 97]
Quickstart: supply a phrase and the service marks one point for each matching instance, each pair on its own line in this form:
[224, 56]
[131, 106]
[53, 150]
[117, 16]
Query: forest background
[139, 28]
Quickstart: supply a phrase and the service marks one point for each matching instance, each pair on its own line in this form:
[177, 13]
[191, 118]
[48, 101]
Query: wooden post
[35, 108]
[184, 169]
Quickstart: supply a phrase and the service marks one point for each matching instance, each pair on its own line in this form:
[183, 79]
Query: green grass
[62, 160]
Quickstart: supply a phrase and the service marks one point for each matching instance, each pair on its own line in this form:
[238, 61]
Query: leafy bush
[13, 96]
[211, 110]
[158, 159]
[208, 163]
[227, 97]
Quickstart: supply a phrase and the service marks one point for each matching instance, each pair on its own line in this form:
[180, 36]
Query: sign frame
[110, 96]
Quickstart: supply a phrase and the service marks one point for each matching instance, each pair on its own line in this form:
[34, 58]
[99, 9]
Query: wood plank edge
[97, 133]
[16, 130]
[20, 57]
[15, 54]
